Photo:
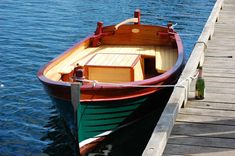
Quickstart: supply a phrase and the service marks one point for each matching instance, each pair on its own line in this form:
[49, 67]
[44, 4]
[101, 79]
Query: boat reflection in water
[60, 136]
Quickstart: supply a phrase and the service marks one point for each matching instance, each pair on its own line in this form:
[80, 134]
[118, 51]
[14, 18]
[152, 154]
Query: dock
[203, 127]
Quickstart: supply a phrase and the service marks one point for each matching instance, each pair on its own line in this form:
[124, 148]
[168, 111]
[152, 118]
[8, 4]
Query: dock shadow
[203, 138]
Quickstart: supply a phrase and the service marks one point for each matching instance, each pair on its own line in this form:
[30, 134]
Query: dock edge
[178, 99]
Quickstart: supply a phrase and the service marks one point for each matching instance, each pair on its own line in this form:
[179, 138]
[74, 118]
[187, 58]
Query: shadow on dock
[202, 138]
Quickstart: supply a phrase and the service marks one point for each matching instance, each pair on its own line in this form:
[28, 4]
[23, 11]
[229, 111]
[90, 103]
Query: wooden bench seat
[166, 58]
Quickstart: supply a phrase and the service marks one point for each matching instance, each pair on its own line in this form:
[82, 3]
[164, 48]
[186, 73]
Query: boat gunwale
[124, 85]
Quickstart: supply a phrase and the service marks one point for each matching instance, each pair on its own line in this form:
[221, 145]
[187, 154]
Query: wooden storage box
[112, 67]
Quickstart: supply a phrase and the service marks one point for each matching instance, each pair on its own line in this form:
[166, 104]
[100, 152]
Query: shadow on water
[129, 139]
[60, 135]
[132, 138]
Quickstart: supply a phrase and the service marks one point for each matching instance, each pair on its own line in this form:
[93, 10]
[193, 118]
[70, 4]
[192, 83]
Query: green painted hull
[95, 118]
[108, 118]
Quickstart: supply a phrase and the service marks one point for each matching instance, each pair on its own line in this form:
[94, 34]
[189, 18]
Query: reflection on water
[62, 140]
[130, 139]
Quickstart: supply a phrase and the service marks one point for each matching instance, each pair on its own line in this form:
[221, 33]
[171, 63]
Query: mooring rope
[95, 82]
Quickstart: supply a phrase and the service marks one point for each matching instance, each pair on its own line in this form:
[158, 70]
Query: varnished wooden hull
[108, 93]
[106, 106]
[100, 92]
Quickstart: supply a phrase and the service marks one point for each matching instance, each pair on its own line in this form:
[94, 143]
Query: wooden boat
[116, 66]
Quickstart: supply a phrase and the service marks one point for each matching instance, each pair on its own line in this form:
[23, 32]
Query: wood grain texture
[207, 127]
[198, 126]
[113, 59]
[165, 58]
[114, 55]
[114, 75]
[147, 35]
[184, 149]
[114, 67]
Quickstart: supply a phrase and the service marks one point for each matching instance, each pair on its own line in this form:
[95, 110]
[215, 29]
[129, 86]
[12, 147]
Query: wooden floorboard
[181, 149]
[218, 97]
[219, 79]
[219, 84]
[196, 118]
[207, 141]
[211, 105]
[217, 89]
[219, 66]
[209, 112]
[204, 129]
[207, 127]
[218, 70]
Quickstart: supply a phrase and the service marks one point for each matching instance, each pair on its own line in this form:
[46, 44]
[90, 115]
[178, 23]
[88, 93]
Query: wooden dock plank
[211, 105]
[219, 66]
[208, 112]
[179, 149]
[220, 79]
[220, 84]
[204, 129]
[219, 90]
[213, 87]
[207, 141]
[219, 70]
[217, 74]
[219, 61]
[216, 97]
[195, 118]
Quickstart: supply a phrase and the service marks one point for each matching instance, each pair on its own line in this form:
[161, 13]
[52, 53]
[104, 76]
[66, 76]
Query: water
[32, 32]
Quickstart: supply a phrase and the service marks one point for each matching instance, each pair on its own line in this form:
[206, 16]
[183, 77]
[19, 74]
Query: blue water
[32, 32]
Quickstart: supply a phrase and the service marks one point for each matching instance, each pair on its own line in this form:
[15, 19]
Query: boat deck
[165, 57]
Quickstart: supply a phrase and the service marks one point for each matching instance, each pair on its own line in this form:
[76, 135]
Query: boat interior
[114, 63]
[118, 53]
